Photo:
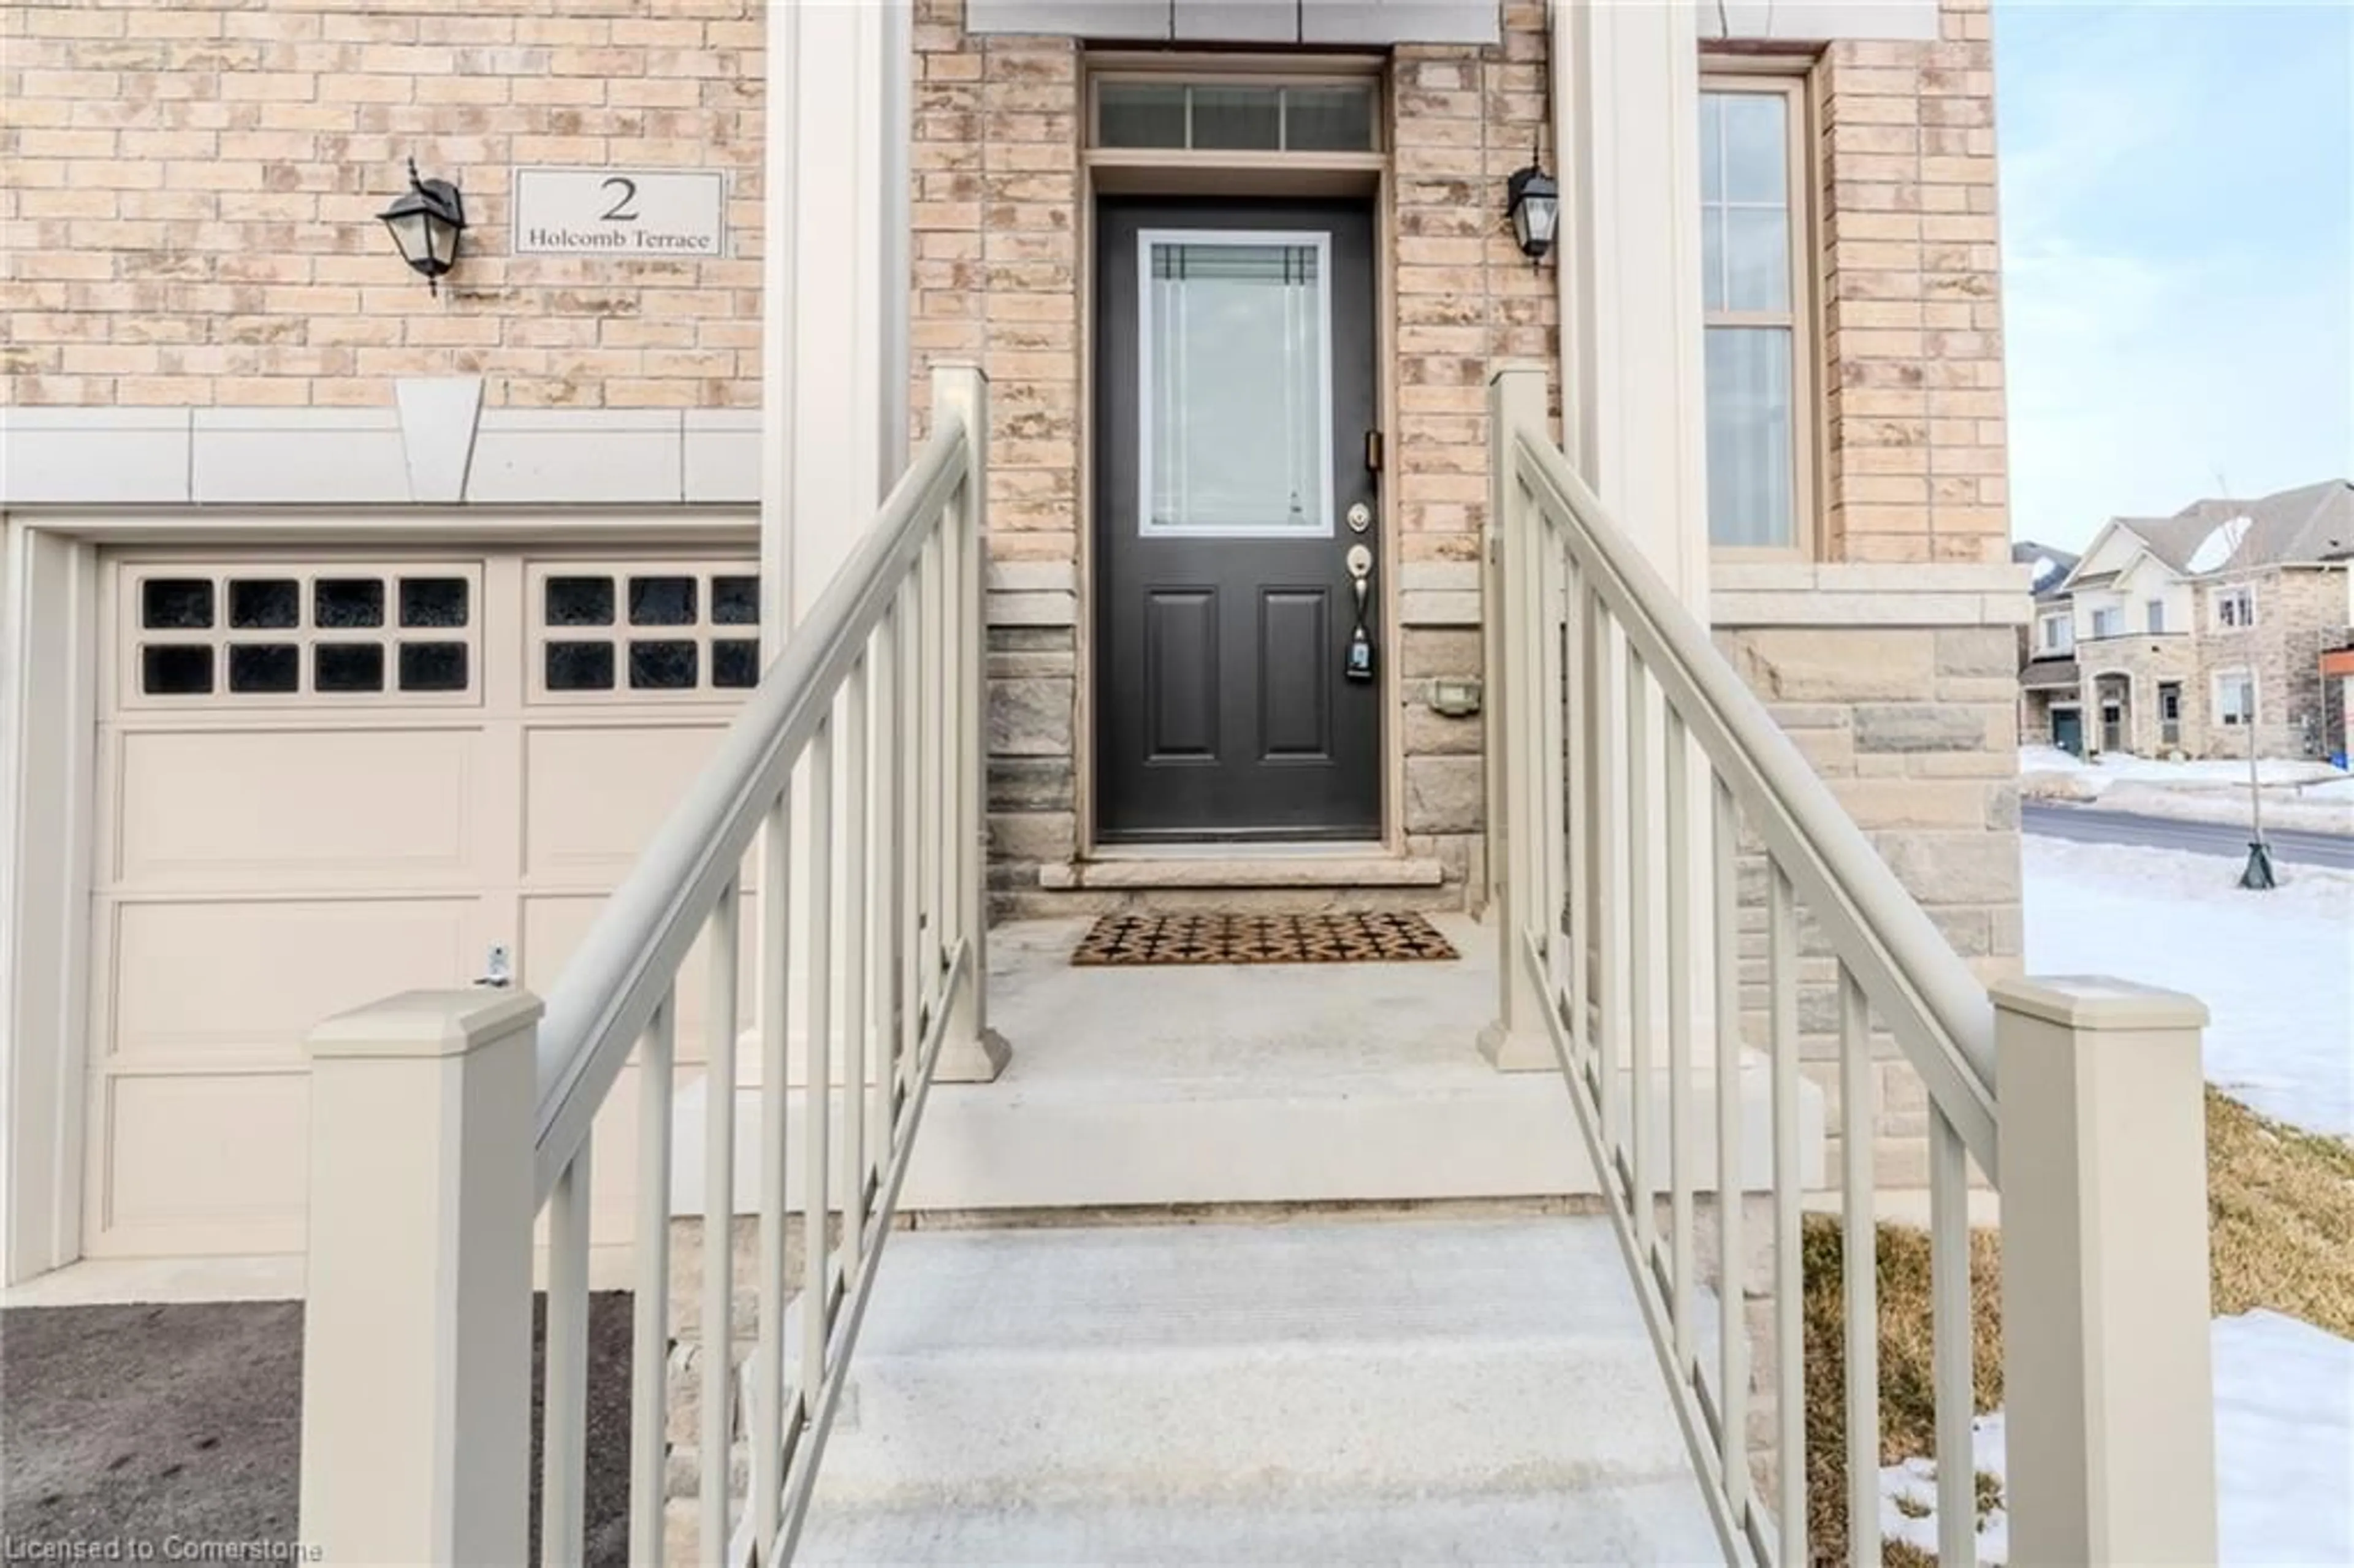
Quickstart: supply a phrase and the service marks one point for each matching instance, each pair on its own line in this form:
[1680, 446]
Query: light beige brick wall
[191, 194]
[1915, 466]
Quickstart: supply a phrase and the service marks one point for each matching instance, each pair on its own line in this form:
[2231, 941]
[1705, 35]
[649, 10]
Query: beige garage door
[325, 778]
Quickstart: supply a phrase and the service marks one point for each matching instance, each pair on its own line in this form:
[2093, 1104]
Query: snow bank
[2275, 970]
[2283, 1452]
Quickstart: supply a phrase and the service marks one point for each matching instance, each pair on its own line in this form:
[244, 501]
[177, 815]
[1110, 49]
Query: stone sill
[1148, 870]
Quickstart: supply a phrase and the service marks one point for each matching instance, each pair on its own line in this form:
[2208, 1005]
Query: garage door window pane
[734, 661]
[433, 601]
[432, 666]
[580, 601]
[735, 602]
[663, 667]
[175, 604]
[341, 604]
[661, 601]
[264, 604]
[348, 666]
[264, 666]
[180, 669]
[579, 666]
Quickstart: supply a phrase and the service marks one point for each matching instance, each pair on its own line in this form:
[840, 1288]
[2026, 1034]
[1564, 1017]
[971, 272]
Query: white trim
[1318, 241]
[49, 612]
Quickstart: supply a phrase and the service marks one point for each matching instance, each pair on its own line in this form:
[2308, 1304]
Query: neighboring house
[355, 636]
[2048, 705]
[2182, 635]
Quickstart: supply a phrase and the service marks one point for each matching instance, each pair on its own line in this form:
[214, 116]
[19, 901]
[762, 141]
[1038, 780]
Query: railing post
[1518, 1040]
[970, 1051]
[2106, 1358]
[417, 1326]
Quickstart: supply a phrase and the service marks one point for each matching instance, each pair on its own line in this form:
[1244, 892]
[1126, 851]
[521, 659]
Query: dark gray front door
[1234, 403]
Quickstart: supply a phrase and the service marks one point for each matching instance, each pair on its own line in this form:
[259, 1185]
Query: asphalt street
[2087, 824]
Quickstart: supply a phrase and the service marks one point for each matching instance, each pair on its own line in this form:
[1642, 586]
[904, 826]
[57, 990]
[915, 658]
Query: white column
[417, 1326]
[2107, 1372]
[835, 309]
[1627, 131]
[1627, 127]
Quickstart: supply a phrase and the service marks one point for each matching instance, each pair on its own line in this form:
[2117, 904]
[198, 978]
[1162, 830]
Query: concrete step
[1658, 1522]
[1367, 1391]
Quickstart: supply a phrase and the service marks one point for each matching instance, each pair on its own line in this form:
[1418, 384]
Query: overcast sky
[2178, 215]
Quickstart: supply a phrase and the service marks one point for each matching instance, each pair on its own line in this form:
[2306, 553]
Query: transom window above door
[1237, 116]
[1236, 382]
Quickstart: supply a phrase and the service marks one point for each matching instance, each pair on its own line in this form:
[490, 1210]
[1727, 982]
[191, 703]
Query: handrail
[609, 989]
[1938, 1010]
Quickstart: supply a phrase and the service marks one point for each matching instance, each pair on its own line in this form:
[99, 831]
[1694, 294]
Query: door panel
[1235, 391]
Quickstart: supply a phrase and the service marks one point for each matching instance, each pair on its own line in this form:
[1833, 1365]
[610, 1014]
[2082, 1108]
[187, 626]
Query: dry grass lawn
[2279, 1206]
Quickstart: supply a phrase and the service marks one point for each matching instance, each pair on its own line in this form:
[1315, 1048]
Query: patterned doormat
[1262, 939]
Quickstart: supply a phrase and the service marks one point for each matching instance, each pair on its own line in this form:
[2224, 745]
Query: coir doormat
[1262, 939]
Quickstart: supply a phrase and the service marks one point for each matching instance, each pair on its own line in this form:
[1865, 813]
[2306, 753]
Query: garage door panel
[208, 978]
[290, 809]
[555, 926]
[216, 1162]
[593, 797]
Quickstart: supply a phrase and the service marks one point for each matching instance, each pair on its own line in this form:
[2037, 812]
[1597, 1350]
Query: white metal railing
[445, 1125]
[1630, 760]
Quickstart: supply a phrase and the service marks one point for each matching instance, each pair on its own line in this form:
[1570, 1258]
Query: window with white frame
[1752, 228]
[2057, 633]
[2108, 620]
[2235, 697]
[2235, 608]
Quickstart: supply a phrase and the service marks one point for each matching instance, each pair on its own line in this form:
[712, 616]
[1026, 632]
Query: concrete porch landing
[1213, 1083]
[1362, 1391]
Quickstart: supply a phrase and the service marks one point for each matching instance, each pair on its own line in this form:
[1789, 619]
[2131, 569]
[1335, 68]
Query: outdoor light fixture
[1533, 201]
[424, 224]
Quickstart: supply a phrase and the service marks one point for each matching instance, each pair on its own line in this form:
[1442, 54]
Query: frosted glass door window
[1235, 414]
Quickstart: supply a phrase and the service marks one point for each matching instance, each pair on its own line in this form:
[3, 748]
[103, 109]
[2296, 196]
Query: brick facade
[192, 190]
[1913, 416]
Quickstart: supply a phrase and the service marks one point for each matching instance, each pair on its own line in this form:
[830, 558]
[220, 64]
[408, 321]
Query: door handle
[1359, 665]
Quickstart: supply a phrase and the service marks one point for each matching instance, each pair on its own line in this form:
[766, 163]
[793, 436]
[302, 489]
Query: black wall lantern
[1533, 201]
[426, 222]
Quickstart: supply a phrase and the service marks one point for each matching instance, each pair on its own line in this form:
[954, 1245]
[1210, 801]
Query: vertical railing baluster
[1732, 1329]
[1609, 927]
[1952, 1378]
[1859, 1269]
[650, 1312]
[854, 910]
[940, 654]
[1553, 784]
[914, 741]
[1642, 961]
[1576, 646]
[891, 754]
[1680, 1066]
[1789, 1395]
[817, 1110]
[564, 1441]
[769, 1414]
[721, 940]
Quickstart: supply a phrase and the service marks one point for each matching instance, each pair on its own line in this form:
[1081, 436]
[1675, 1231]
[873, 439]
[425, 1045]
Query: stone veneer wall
[998, 270]
[189, 217]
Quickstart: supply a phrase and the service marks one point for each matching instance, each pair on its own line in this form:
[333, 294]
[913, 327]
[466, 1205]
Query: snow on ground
[2283, 1452]
[2308, 795]
[2275, 970]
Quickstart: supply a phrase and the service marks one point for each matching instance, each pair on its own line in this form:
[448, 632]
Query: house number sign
[644, 214]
